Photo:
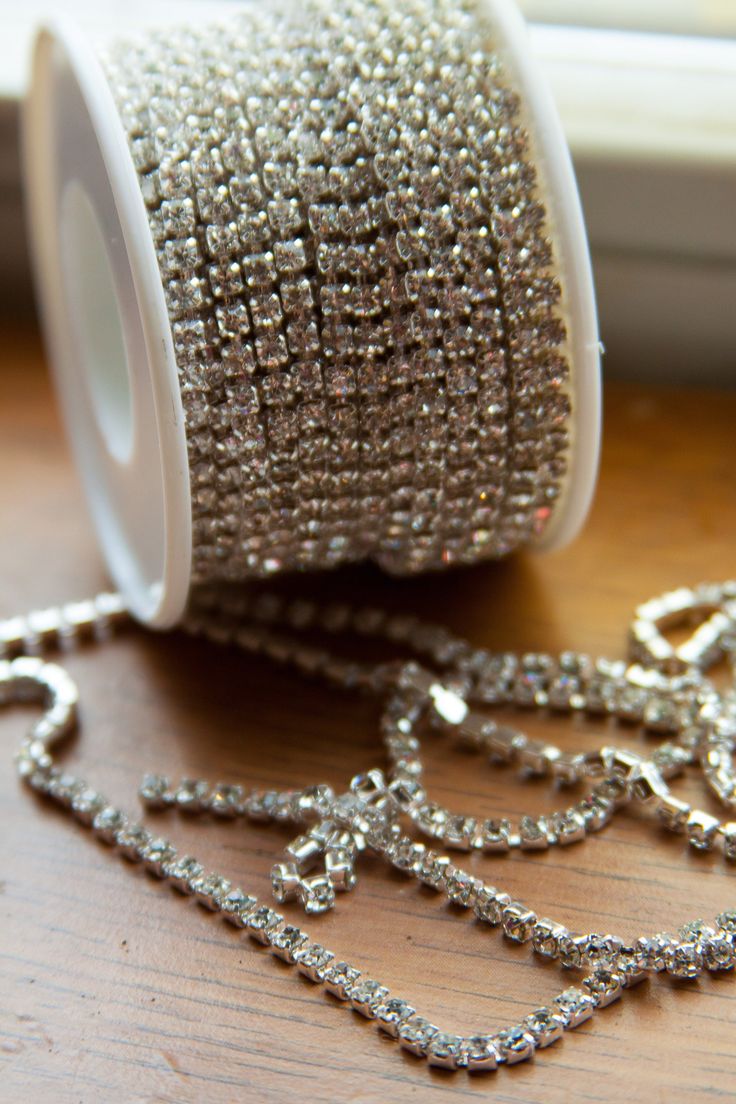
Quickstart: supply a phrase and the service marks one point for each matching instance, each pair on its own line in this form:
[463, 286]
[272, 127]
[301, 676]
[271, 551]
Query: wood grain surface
[115, 989]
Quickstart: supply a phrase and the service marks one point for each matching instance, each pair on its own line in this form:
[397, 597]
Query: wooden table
[114, 989]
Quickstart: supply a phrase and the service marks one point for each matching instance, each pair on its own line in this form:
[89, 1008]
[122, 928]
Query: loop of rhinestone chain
[665, 688]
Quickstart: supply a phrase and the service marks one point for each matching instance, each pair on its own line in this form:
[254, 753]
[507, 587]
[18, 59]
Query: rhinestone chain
[354, 251]
[665, 688]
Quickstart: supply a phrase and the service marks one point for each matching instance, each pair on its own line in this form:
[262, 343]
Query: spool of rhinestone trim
[350, 290]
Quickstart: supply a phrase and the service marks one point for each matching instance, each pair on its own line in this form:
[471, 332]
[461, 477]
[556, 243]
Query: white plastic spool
[109, 335]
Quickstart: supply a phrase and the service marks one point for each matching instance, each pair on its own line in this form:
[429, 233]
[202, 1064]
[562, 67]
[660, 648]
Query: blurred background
[647, 94]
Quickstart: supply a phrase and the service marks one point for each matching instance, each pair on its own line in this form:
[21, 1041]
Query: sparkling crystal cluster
[355, 259]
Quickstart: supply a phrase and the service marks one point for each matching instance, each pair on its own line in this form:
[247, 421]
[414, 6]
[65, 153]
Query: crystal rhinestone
[574, 1006]
[661, 714]
[727, 922]
[287, 941]
[226, 801]
[178, 218]
[290, 257]
[226, 279]
[210, 889]
[494, 835]
[478, 1054]
[316, 894]
[391, 1014]
[312, 960]
[367, 996]
[339, 978]
[406, 854]
[562, 692]
[460, 886]
[683, 960]
[323, 219]
[489, 904]
[696, 931]
[431, 819]
[184, 296]
[652, 950]
[62, 787]
[132, 840]
[630, 703]
[546, 937]
[604, 986]
[515, 1044]
[237, 906]
[253, 230]
[572, 948]
[416, 1034]
[432, 869]
[261, 922]
[718, 952]
[271, 351]
[533, 834]
[265, 310]
[459, 832]
[614, 790]
[37, 777]
[600, 948]
[157, 855]
[545, 1026]
[191, 795]
[630, 966]
[183, 873]
[107, 823]
[154, 791]
[221, 240]
[284, 216]
[671, 759]
[86, 803]
[344, 810]
[314, 802]
[531, 681]
[518, 922]
[27, 765]
[190, 336]
[445, 1051]
[568, 827]
[596, 813]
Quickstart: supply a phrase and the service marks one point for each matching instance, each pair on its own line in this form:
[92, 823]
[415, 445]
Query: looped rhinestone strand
[369, 814]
